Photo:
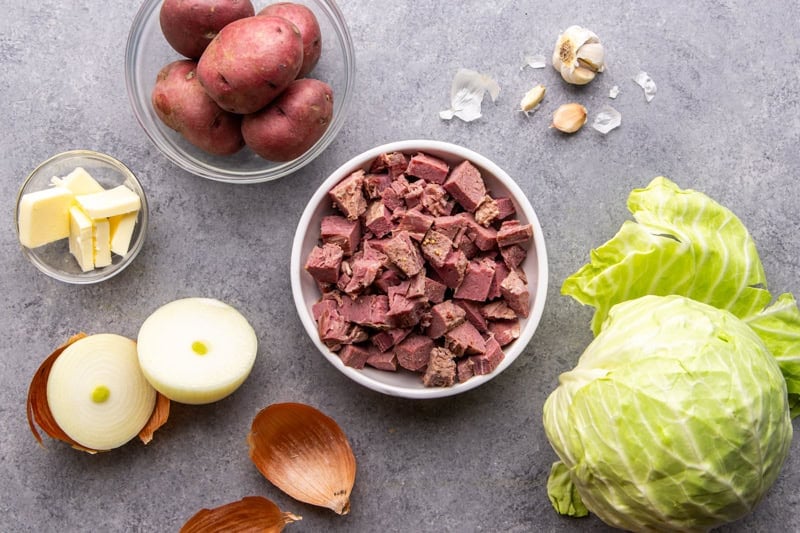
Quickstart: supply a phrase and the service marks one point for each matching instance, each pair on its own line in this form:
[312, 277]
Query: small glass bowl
[54, 259]
[147, 52]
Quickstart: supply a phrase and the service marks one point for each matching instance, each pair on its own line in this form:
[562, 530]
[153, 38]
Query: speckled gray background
[726, 121]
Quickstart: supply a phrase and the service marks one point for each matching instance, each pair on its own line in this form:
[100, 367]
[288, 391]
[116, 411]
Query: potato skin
[250, 62]
[182, 104]
[307, 23]
[292, 123]
[189, 25]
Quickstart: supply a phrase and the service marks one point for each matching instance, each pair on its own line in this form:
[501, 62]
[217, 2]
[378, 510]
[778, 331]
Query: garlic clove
[592, 55]
[532, 99]
[251, 513]
[569, 118]
[304, 453]
[578, 76]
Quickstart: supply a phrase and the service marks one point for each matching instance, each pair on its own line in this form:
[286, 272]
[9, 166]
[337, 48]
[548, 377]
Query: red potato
[250, 62]
[307, 23]
[182, 104]
[291, 124]
[189, 25]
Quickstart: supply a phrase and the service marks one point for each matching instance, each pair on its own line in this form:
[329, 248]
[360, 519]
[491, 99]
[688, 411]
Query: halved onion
[250, 514]
[305, 454]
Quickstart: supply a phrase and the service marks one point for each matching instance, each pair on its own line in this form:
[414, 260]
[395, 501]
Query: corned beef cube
[386, 279]
[464, 369]
[366, 310]
[405, 312]
[354, 356]
[429, 168]
[515, 293]
[505, 208]
[325, 304]
[486, 362]
[487, 212]
[444, 317]
[504, 331]
[384, 340]
[394, 162]
[416, 286]
[415, 222]
[441, 371]
[473, 314]
[452, 271]
[434, 290]
[435, 200]
[382, 360]
[466, 186]
[466, 245]
[371, 249]
[364, 273]
[378, 219]
[413, 197]
[500, 273]
[452, 225]
[498, 310]
[414, 352]
[484, 238]
[391, 199]
[375, 184]
[342, 232]
[436, 247]
[477, 280]
[513, 255]
[334, 330]
[344, 280]
[464, 338]
[512, 232]
[323, 263]
[404, 253]
[348, 195]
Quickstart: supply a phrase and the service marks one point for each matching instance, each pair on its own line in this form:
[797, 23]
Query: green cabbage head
[675, 418]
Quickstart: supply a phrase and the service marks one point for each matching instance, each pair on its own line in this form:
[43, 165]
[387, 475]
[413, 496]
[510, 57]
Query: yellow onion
[252, 513]
[305, 454]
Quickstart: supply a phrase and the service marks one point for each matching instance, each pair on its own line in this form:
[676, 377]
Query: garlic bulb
[251, 513]
[578, 55]
[305, 454]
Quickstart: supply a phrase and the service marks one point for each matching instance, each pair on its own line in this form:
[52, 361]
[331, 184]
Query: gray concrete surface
[726, 121]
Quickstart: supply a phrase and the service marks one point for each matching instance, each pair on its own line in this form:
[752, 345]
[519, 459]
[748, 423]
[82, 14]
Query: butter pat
[80, 238]
[44, 216]
[122, 231]
[109, 203]
[102, 242]
[79, 182]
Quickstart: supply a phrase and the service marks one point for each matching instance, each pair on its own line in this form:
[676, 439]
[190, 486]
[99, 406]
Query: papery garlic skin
[578, 55]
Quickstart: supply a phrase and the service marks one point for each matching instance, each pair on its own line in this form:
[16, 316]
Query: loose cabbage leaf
[682, 242]
[563, 493]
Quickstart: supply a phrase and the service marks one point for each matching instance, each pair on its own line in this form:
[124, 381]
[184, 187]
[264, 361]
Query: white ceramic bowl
[54, 259]
[147, 51]
[402, 383]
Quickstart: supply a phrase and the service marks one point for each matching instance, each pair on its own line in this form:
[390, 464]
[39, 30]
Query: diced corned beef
[505, 207]
[487, 212]
[467, 245]
[382, 360]
[477, 280]
[464, 369]
[464, 338]
[416, 286]
[374, 252]
[413, 197]
[344, 279]
[466, 186]
[406, 312]
[441, 371]
[366, 310]
[384, 340]
[436, 201]
[378, 219]
[500, 273]
[515, 293]
[452, 225]
[436, 247]
[354, 355]
[473, 314]
[434, 290]
[335, 331]
[364, 273]
[484, 238]
[375, 184]
[387, 279]
[505, 331]
[391, 199]
[452, 271]
[512, 232]
[414, 352]
[404, 253]
[348, 195]
[415, 222]
[513, 255]
[323, 263]
[342, 232]
[488, 361]
[394, 162]
[498, 310]
[444, 317]
[429, 168]
[323, 305]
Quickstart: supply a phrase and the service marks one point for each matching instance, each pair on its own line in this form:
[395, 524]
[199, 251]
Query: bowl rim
[217, 173]
[105, 273]
[296, 268]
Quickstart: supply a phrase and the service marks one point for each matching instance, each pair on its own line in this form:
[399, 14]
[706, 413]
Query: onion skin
[251, 513]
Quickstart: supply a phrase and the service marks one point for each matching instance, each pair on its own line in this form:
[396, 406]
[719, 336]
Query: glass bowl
[147, 52]
[306, 292]
[55, 259]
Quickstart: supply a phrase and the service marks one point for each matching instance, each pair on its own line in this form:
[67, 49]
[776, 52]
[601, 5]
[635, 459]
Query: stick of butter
[109, 203]
[44, 216]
